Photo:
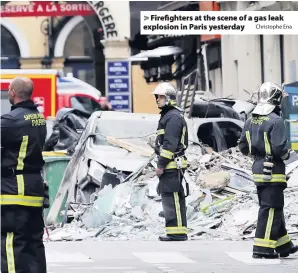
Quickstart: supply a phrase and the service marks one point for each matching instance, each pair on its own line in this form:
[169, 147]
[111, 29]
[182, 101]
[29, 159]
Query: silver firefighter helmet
[169, 92]
[270, 95]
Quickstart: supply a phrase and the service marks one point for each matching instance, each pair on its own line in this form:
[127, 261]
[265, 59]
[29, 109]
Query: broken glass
[240, 183]
[94, 218]
[137, 213]
[138, 196]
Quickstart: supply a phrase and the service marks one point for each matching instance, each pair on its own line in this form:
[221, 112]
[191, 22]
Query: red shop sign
[39, 8]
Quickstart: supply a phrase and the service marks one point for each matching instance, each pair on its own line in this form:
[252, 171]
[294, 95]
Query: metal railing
[188, 91]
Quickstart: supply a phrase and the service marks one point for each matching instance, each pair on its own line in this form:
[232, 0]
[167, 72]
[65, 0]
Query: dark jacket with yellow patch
[266, 135]
[172, 138]
[23, 134]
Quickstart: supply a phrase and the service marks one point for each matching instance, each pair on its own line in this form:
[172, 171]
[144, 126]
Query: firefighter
[23, 133]
[170, 146]
[264, 138]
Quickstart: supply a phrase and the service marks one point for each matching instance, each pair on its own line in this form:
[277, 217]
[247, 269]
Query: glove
[159, 171]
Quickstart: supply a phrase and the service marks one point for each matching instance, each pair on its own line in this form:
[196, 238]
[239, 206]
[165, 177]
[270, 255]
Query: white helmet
[270, 95]
[168, 90]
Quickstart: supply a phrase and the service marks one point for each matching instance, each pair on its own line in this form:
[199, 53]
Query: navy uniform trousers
[22, 249]
[173, 202]
[271, 233]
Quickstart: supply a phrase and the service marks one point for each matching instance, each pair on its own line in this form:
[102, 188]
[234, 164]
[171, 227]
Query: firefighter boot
[168, 238]
[265, 255]
[293, 250]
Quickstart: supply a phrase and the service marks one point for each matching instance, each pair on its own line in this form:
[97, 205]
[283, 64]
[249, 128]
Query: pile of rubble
[222, 202]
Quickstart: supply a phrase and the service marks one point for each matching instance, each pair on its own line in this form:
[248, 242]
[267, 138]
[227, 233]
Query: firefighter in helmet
[170, 146]
[264, 138]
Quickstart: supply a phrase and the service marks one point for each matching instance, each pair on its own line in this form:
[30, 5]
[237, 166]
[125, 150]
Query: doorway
[81, 68]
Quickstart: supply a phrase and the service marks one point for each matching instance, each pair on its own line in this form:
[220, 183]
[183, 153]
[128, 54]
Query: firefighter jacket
[262, 136]
[172, 138]
[23, 134]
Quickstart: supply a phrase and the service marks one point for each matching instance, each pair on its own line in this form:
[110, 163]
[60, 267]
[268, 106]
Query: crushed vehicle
[217, 133]
[222, 107]
[115, 145]
[109, 186]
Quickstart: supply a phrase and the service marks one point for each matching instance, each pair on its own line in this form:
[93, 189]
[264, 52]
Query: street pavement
[161, 257]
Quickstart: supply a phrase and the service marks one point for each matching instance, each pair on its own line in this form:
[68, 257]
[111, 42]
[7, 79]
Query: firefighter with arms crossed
[23, 133]
[264, 138]
[170, 146]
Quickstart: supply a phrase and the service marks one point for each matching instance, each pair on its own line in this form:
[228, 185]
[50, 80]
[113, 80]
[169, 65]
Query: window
[85, 104]
[87, 75]
[207, 135]
[79, 51]
[79, 42]
[220, 135]
[10, 51]
[231, 132]
[9, 45]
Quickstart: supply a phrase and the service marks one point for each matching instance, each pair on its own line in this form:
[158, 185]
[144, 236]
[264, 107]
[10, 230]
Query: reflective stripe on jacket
[23, 134]
[172, 138]
[266, 135]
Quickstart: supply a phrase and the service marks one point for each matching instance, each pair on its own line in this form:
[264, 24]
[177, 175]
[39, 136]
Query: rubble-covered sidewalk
[222, 203]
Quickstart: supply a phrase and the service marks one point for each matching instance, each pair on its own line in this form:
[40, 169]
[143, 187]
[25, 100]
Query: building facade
[237, 64]
[72, 43]
[249, 60]
[79, 38]
[83, 36]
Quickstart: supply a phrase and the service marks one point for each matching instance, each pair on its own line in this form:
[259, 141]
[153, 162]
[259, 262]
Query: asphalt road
[161, 257]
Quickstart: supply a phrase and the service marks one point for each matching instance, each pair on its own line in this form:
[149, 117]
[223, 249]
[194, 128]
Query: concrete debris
[214, 180]
[222, 203]
[293, 181]
[73, 232]
[212, 162]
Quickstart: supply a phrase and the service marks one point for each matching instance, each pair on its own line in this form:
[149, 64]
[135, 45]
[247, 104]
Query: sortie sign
[46, 8]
